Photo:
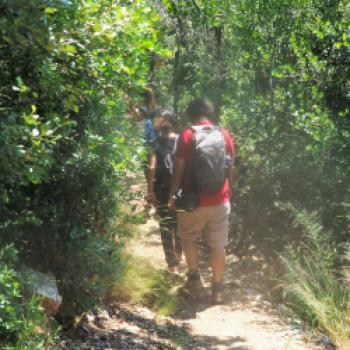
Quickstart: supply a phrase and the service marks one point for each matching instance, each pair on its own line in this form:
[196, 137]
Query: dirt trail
[247, 320]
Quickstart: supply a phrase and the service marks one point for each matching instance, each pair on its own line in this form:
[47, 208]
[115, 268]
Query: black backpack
[165, 149]
[208, 158]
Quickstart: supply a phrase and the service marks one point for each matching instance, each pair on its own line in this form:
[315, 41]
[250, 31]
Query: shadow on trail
[123, 328]
[213, 343]
[187, 307]
[246, 285]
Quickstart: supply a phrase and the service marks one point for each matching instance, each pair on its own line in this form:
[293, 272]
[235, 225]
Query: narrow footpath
[247, 320]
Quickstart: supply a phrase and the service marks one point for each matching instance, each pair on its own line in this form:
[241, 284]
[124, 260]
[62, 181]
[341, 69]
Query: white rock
[45, 286]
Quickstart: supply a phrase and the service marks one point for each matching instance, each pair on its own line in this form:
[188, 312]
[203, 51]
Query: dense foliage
[278, 72]
[23, 322]
[66, 69]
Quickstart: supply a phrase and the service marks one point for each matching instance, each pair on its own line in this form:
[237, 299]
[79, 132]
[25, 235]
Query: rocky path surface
[247, 320]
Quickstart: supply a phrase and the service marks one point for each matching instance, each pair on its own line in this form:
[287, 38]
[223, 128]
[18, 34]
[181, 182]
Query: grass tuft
[315, 285]
[143, 284]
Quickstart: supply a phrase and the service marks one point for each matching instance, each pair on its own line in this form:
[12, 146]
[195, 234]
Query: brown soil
[248, 320]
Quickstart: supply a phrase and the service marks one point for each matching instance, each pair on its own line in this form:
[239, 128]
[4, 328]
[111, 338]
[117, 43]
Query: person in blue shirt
[152, 124]
[148, 116]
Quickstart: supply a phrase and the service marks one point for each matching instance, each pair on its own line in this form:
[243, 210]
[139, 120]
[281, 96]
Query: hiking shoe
[193, 286]
[217, 293]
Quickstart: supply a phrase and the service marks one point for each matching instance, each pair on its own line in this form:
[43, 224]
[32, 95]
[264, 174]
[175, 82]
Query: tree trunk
[152, 66]
[220, 77]
[176, 87]
[180, 41]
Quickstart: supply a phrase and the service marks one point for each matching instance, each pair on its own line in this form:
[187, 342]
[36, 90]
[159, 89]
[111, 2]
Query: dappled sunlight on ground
[247, 320]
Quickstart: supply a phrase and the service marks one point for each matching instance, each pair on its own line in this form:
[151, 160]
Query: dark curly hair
[169, 122]
[200, 107]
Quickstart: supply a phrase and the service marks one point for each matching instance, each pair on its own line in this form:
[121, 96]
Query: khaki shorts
[211, 221]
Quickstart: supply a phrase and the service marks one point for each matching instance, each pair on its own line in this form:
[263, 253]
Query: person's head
[200, 107]
[156, 116]
[167, 123]
[143, 112]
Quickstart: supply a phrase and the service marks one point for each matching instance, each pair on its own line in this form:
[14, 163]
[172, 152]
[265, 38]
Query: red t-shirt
[184, 150]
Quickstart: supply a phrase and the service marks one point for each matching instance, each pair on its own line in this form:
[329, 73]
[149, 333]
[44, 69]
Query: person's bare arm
[230, 148]
[150, 99]
[135, 110]
[151, 174]
[230, 175]
[180, 164]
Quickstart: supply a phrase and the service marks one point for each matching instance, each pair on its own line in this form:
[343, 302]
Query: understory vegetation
[66, 145]
[317, 282]
[146, 285]
[278, 73]
[24, 324]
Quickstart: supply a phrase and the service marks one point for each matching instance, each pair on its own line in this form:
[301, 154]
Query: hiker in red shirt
[210, 217]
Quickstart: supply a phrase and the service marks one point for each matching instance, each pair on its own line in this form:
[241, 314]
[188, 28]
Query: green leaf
[50, 10]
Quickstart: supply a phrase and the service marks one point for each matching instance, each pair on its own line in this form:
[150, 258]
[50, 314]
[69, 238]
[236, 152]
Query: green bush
[314, 282]
[65, 142]
[283, 92]
[23, 322]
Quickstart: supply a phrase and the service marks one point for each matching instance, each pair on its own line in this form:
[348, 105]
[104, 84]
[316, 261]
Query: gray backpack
[208, 158]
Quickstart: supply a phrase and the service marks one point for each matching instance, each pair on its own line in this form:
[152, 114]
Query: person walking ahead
[211, 215]
[160, 169]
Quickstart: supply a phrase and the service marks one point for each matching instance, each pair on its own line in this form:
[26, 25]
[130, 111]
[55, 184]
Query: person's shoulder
[226, 133]
[186, 133]
[186, 130]
[173, 139]
[184, 141]
[228, 139]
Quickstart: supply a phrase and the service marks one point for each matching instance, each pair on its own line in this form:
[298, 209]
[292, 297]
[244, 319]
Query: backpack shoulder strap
[175, 144]
[198, 128]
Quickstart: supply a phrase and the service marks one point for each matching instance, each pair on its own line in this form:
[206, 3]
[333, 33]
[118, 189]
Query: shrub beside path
[247, 320]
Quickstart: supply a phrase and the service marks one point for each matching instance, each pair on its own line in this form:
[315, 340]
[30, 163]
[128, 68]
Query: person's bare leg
[218, 255]
[193, 284]
[191, 255]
